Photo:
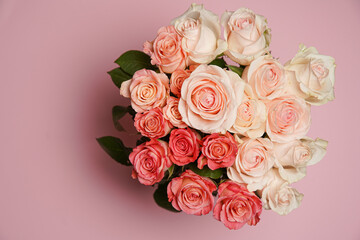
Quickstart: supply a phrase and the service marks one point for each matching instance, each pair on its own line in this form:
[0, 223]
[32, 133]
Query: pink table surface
[56, 98]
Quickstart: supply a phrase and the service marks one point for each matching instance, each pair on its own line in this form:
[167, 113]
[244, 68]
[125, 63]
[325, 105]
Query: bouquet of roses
[220, 117]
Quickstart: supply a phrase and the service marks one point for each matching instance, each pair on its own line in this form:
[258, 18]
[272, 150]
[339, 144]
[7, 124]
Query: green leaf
[171, 171]
[207, 172]
[161, 198]
[117, 113]
[132, 61]
[118, 76]
[219, 62]
[238, 70]
[116, 149]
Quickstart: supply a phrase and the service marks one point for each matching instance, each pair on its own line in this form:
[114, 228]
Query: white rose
[251, 116]
[201, 32]
[278, 196]
[293, 157]
[311, 76]
[253, 160]
[247, 35]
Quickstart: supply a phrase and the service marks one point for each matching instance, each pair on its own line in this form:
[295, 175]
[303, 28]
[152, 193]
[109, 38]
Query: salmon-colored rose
[251, 116]
[171, 113]
[152, 123]
[201, 32]
[209, 97]
[147, 90]
[150, 161]
[191, 193]
[166, 50]
[218, 151]
[288, 119]
[184, 146]
[266, 76]
[176, 80]
[236, 206]
[247, 35]
[253, 160]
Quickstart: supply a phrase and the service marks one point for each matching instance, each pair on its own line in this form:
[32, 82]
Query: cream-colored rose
[293, 157]
[312, 76]
[266, 76]
[209, 97]
[201, 32]
[247, 35]
[253, 160]
[278, 196]
[251, 116]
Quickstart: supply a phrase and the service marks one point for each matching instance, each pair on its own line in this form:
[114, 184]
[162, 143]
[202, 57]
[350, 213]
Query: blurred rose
[312, 76]
[147, 90]
[191, 193]
[201, 32]
[184, 146]
[218, 151]
[266, 76]
[152, 123]
[150, 161]
[288, 119]
[278, 196]
[166, 50]
[209, 97]
[237, 206]
[253, 160]
[247, 35]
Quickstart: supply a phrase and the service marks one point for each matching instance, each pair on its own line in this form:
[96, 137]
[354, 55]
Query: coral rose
[209, 97]
[166, 50]
[176, 80]
[184, 146]
[171, 113]
[253, 160]
[152, 123]
[147, 90]
[218, 151]
[237, 206]
[150, 161]
[191, 193]
[288, 119]
[247, 35]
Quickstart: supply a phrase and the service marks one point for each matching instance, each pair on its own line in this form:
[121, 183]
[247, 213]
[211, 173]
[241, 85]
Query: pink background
[56, 98]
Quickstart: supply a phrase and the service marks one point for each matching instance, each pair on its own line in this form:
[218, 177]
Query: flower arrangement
[220, 118]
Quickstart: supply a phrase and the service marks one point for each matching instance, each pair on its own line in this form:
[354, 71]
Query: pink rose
[152, 123]
[247, 35]
[266, 76]
[150, 161]
[237, 206]
[209, 97]
[288, 119]
[218, 151]
[253, 160]
[191, 193]
[171, 113]
[176, 80]
[147, 90]
[166, 50]
[184, 146]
